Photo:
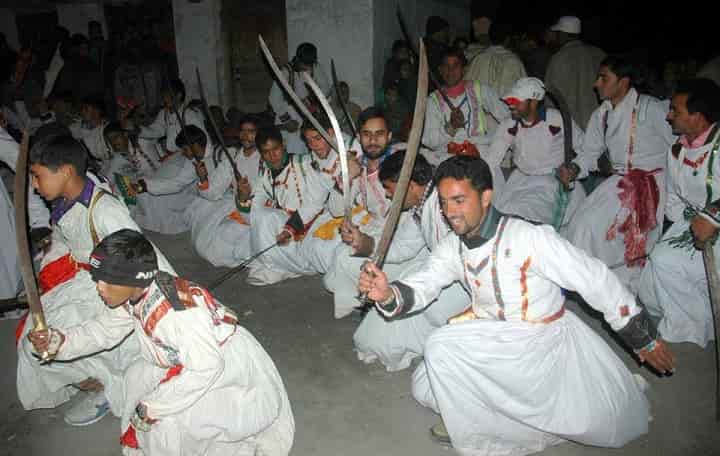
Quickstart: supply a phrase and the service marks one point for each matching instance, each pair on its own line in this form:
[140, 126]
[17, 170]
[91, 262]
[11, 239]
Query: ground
[343, 407]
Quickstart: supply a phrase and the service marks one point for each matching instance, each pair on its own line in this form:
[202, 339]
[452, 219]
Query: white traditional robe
[673, 285]
[220, 232]
[595, 225]
[483, 111]
[532, 191]
[497, 67]
[395, 343]
[370, 206]
[298, 188]
[69, 297]
[166, 125]
[572, 70]
[211, 386]
[519, 378]
[170, 194]
[38, 215]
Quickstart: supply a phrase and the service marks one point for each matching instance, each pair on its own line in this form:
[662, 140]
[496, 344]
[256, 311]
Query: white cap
[525, 89]
[567, 24]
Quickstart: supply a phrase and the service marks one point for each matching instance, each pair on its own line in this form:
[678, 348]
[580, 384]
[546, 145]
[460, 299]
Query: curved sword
[291, 93]
[23, 243]
[342, 151]
[413, 145]
[211, 120]
[714, 290]
[351, 122]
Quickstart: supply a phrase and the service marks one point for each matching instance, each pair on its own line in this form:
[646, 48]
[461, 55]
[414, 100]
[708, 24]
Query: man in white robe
[288, 198]
[621, 220]
[370, 206]
[497, 66]
[203, 384]
[512, 374]
[536, 138]
[165, 214]
[673, 285]
[573, 68]
[468, 128]
[287, 116]
[221, 217]
[395, 343]
[84, 212]
[38, 219]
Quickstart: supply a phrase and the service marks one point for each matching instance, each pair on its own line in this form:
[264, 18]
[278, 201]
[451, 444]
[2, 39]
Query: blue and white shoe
[90, 409]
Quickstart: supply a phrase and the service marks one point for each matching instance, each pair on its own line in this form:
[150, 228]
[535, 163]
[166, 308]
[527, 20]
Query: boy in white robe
[467, 129]
[203, 386]
[673, 285]
[192, 179]
[84, 212]
[621, 220]
[221, 217]
[395, 343]
[90, 130]
[288, 198]
[512, 374]
[537, 140]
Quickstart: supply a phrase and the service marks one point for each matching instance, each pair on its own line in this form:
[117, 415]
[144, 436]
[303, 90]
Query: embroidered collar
[61, 206]
[702, 140]
[487, 230]
[417, 210]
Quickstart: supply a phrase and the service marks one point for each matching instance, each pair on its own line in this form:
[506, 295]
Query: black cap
[306, 53]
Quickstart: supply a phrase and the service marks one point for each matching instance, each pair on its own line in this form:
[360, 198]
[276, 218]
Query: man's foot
[440, 434]
[90, 409]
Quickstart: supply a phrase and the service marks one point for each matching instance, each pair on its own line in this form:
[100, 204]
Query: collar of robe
[61, 206]
[486, 232]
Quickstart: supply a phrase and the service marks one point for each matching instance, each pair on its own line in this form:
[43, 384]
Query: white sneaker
[259, 275]
[90, 409]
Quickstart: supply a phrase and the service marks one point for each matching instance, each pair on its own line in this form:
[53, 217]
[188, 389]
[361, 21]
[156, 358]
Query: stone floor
[343, 407]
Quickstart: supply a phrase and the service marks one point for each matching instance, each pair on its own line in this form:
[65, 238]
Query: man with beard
[366, 191]
[513, 373]
[466, 127]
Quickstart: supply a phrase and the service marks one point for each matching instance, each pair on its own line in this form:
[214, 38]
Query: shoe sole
[87, 423]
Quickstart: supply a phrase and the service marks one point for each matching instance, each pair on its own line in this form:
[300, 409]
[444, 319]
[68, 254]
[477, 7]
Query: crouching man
[517, 371]
[204, 385]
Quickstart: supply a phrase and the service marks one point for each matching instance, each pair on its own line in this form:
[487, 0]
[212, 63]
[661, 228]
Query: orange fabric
[58, 272]
[236, 216]
[524, 287]
[466, 148]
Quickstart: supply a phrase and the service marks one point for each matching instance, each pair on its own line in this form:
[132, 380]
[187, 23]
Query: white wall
[9, 28]
[198, 42]
[75, 17]
[415, 12]
[342, 30]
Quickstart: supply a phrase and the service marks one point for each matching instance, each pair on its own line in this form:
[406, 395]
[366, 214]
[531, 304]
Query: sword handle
[40, 325]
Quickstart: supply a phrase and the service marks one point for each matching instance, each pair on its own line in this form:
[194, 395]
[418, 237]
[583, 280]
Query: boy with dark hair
[514, 372]
[84, 212]
[203, 385]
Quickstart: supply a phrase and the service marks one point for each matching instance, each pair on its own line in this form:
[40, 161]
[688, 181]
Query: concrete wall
[9, 28]
[75, 17]
[341, 30]
[198, 40]
[415, 12]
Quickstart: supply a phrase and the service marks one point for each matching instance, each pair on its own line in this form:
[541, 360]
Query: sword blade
[342, 151]
[351, 122]
[714, 291]
[245, 263]
[291, 93]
